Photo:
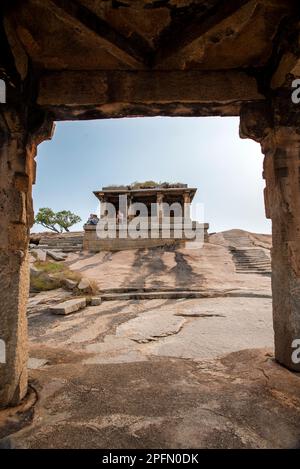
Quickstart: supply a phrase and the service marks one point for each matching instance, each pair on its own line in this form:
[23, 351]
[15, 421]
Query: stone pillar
[159, 203]
[129, 209]
[101, 200]
[276, 127]
[186, 206]
[17, 174]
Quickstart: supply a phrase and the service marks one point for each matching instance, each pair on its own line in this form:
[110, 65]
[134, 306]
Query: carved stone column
[159, 204]
[186, 206]
[18, 145]
[276, 127]
[129, 208]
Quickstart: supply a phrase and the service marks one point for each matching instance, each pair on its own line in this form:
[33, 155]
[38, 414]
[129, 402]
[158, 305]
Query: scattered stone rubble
[56, 248]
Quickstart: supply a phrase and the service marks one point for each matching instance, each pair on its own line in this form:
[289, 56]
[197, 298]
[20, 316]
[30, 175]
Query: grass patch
[49, 267]
[43, 283]
[51, 275]
[93, 290]
[72, 275]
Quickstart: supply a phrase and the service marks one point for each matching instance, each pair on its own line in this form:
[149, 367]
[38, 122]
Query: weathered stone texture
[14, 281]
[17, 168]
[15, 217]
[280, 142]
[281, 171]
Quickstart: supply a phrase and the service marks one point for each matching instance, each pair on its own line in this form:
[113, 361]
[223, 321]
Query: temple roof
[170, 189]
[147, 185]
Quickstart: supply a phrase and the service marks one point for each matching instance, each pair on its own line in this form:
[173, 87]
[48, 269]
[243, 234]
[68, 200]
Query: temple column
[281, 171]
[277, 129]
[186, 206]
[101, 202]
[160, 208]
[23, 125]
[129, 202]
[17, 169]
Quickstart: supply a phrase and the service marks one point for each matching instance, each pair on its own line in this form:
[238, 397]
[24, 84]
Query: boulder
[84, 284]
[34, 272]
[41, 281]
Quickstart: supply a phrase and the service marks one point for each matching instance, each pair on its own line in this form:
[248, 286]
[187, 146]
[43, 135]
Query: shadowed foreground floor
[243, 400]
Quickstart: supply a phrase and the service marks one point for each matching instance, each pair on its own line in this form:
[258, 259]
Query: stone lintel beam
[17, 49]
[197, 27]
[75, 94]
[129, 51]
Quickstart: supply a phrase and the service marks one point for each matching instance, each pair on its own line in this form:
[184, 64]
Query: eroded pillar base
[14, 281]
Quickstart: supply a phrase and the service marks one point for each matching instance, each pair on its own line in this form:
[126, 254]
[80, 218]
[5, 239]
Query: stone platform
[92, 243]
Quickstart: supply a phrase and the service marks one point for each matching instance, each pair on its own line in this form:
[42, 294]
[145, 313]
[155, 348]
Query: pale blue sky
[206, 153]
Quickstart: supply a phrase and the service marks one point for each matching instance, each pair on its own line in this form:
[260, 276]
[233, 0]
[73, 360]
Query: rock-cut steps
[251, 260]
[65, 243]
[247, 257]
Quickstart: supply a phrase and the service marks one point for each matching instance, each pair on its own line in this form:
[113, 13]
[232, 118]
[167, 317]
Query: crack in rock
[151, 326]
[200, 315]
[157, 337]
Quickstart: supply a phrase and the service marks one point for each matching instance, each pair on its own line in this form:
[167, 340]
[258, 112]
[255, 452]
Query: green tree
[58, 221]
[65, 219]
[47, 218]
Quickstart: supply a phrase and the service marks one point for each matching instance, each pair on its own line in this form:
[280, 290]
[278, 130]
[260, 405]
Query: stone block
[56, 256]
[96, 301]
[69, 306]
[70, 284]
[32, 259]
[40, 255]
[36, 363]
